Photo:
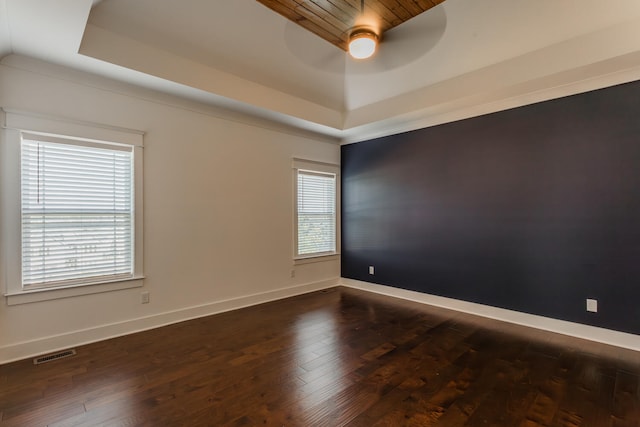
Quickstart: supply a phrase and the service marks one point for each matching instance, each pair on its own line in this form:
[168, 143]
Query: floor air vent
[54, 356]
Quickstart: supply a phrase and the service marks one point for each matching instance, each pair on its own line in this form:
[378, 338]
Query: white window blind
[316, 194]
[77, 211]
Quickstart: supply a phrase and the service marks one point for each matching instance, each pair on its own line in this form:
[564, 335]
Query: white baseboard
[592, 333]
[27, 349]
[50, 344]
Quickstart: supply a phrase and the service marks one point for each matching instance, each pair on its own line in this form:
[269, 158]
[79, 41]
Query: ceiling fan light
[362, 44]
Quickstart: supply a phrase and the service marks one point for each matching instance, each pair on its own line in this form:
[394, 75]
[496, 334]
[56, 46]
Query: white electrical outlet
[371, 270]
[144, 297]
[592, 305]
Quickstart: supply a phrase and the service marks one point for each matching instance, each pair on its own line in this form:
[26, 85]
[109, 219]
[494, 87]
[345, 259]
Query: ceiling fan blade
[313, 51]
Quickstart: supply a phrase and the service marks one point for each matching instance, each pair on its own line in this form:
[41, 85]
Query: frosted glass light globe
[362, 45]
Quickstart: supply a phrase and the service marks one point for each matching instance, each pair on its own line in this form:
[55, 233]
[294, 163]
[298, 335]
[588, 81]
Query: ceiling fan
[363, 24]
[404, 34]
[363, 37]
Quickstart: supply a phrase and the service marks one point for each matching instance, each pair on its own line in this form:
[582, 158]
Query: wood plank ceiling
[332, 19]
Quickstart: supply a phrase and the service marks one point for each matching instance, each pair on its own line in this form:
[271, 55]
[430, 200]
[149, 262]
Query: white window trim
[310, 165]
[13, 124]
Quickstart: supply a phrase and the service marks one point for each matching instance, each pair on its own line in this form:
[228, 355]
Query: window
[316, 209]
[77, 211]
[71, 208]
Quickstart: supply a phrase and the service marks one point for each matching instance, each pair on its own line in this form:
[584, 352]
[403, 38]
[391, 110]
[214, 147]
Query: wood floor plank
[339, 357]
[626, 400]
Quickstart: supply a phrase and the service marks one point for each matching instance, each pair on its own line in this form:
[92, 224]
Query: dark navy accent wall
[533, 209]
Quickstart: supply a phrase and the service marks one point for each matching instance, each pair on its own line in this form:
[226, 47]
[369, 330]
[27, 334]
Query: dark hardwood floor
[332, 358]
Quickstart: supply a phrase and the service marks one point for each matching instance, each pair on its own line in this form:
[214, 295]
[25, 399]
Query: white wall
[218, 211]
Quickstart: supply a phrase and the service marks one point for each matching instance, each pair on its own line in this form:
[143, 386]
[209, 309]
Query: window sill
[316, 258]
[46, 294]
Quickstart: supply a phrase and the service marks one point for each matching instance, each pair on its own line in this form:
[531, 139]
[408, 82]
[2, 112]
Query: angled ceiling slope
[5, 43]
[458, 59]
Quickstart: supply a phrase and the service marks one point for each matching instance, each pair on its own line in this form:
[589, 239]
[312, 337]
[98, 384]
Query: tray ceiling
[459, 59]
